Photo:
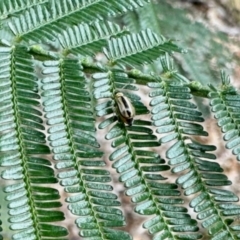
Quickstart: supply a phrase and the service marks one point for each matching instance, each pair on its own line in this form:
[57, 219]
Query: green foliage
[174, 113]
[225, 105]
[43, 21]
[56, 97]
[125, 50]
[88, 39]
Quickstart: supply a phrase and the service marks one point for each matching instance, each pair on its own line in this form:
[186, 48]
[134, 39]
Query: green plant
[49, 124]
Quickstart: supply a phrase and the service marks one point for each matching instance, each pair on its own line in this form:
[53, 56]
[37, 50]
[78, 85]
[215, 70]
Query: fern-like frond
[9, 8]
[137, 49]
[22, 150]
[72, 135]
[46, 21]
[88, 39]
[139, 168]
[225, 103]
[175, 115]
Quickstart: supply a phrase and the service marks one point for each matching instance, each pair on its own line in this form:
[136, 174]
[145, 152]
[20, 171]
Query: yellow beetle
[125, 108]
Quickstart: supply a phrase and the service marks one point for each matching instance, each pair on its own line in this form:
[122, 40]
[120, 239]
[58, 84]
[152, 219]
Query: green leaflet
[177, 118]
[76, 148]
[59, 82]
[55, 17]
[225, 105]
[138, 168]
[125, 50]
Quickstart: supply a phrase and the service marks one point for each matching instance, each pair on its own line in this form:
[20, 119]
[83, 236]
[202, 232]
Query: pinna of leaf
[125, 108]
